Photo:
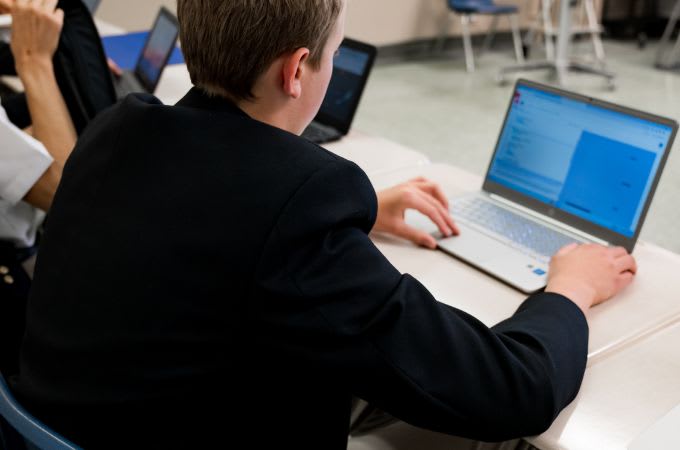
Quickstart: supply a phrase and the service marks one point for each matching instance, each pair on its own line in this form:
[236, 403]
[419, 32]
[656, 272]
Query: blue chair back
[469, 4]
[31, 433]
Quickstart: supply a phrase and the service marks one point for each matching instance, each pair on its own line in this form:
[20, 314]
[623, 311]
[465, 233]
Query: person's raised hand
[36, 27]
[6, 6]
[419, 194]
[590, 274]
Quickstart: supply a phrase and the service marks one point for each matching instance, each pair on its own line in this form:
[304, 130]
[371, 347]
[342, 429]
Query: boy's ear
[294, 69]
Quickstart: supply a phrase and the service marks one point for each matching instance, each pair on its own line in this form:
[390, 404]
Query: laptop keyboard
[513, 229]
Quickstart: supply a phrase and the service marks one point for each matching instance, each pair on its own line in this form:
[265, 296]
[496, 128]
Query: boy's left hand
[419, 194]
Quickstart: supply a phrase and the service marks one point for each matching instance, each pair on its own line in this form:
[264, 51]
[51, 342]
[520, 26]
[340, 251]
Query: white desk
[650, 303]
[662, 434]
[376, 155]
[621, 397]
[633, 375]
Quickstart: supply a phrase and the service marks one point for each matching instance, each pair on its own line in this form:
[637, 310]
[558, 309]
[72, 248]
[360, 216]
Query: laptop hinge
[549, 220]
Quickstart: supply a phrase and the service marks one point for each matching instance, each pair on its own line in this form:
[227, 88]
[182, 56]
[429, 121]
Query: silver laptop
[566, 168]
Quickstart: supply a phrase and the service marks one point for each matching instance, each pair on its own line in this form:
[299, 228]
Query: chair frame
[588, 23]
[667, 50]
[29, 428]
[467, 18]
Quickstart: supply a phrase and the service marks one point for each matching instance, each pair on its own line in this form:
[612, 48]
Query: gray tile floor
[432, 105]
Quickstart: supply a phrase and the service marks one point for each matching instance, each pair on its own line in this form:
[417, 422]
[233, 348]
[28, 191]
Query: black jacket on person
[6, 60]
[207, 280]
[14, 103]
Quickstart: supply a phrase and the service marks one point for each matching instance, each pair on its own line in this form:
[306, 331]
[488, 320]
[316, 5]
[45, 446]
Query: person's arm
[36, 27]
[332, 298]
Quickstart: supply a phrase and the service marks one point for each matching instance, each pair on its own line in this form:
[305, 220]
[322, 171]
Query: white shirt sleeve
[23, 160]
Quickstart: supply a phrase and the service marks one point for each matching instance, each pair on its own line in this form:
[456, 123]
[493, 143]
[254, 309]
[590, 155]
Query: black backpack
[80, 66]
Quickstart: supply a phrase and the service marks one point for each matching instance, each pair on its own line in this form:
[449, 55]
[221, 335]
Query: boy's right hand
[590, 274]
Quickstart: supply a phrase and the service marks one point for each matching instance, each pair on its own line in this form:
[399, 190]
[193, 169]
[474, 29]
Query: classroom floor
[433, 105]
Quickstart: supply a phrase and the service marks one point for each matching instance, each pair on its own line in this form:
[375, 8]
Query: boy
[203, 258]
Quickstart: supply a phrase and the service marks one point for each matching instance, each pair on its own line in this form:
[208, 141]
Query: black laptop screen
[350, 72]
[155, 55]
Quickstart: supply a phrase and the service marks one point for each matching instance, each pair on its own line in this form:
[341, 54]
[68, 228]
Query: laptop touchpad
[471, 244]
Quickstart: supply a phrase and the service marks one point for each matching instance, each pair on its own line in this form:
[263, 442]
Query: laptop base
[495, 258]
[128, 84]
[321, 134]
[506, 264]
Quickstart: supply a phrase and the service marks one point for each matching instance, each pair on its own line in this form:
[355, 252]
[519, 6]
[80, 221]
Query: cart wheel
[611, 84]
[502, 80]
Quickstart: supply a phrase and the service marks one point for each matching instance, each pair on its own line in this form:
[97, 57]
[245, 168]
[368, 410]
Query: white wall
[380, 22]
[384, 22]
[132, 15]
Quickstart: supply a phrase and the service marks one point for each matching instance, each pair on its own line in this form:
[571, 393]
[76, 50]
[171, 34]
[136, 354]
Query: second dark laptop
[92, 5]
[154, 57]
[351, 69]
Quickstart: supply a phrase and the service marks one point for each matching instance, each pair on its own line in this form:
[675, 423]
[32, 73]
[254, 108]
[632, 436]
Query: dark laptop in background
[92, 5]
[351, 69]
[567, 168]
[154, 57]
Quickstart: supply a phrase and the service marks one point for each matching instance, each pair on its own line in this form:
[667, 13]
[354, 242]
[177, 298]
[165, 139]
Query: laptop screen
[351, 68]
[92, 5]
[157, 50]
[596, 163]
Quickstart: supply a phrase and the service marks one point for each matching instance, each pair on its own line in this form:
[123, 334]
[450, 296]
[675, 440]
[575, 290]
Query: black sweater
[206, 277]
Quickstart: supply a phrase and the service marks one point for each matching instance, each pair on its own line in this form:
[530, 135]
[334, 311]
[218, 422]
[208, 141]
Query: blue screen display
[160, 44]
[589, 161]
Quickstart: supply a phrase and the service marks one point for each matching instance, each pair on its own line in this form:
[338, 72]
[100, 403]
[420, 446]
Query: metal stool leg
[663, 58]
[548, 31]
[594, 25]
[675, 49]
[490, 34]
[440, 43]
[514, 23]
[562, 62]
[467, 43]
